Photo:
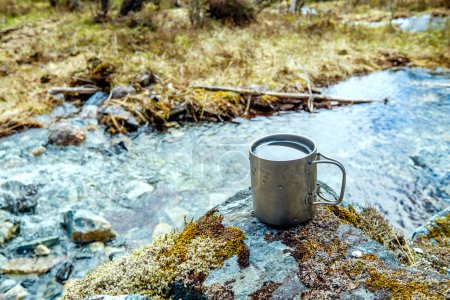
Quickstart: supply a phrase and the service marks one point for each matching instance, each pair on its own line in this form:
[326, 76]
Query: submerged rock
[17, 197]
[29, 265]
[85, 227]
[210, 259]
[8, 230]
[18, 292]
[66, 134]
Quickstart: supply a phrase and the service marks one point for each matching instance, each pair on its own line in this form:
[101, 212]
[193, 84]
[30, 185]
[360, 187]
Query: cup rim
[252, 144]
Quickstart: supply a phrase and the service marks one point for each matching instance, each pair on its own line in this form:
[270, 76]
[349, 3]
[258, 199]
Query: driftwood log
[281, 95]
[80, 90]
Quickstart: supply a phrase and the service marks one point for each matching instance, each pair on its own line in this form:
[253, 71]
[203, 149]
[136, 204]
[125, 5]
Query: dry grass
[49, 48]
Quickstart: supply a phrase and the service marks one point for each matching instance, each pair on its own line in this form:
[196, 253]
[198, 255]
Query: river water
[396, 156]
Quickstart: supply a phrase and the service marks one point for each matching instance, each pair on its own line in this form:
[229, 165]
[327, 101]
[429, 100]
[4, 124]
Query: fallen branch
[300, 96]
[81, 90]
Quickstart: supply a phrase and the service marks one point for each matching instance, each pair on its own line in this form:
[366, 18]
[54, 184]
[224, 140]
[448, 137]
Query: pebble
[18, 292]
[6, 285]
[41, 250]
[418, 250]
[38, 151]
[97, 246]
[357, 254]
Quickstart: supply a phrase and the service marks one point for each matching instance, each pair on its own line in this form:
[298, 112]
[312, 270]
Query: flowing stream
[396, 156]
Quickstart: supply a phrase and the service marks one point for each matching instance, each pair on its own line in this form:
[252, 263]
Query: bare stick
[85, 90]
[300, 96]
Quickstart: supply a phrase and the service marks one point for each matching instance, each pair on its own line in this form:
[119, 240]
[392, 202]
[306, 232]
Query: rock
[113, 252]
[32, 245]
[147, 79]
[3, 260]
[7, 231]
[64, 271]
[84, 226]
[120, 115]
[41, 250]
[418, 250]
[315, 260]
[97, 99]
[65, 134]
[6, 285]
[120, 92]
[64, 111]
[436, 229]
[27, 265]
[18, 292]
[136, 188]
[38, 151]
[97, 247]
[17, 197]
[357, 254]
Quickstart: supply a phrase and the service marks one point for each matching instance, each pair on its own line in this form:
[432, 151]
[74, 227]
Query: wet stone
[8, 230]
[17, 197]
[28, 265]
[66, 134]
[85, 227]
[119, 113]
[18, 292]
[34, 244]
[41, 250]
[64, 111]
[38, 151]
[6, 285]
[97, 99]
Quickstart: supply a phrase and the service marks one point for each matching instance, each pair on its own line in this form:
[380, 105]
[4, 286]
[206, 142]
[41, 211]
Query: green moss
[185, 257]
[376, 226]
[440, 232]
[402, 285]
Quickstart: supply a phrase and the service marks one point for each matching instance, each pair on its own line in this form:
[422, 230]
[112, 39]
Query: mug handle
[332, 162]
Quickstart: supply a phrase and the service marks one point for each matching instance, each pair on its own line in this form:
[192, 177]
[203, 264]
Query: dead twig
[80, 90]
[281, 95]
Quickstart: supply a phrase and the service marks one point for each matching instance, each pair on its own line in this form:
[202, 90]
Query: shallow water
[396, 156]
[412, 24]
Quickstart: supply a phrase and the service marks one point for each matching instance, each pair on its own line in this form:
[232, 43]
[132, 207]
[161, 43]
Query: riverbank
[282, 52]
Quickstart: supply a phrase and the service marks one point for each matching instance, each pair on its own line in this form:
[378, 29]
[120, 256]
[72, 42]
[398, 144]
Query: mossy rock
[230, 254]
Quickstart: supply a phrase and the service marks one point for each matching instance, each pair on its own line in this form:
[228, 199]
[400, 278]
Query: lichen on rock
[186, 257]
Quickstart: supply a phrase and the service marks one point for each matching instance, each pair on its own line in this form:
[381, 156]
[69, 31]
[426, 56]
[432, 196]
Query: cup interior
[306, 144]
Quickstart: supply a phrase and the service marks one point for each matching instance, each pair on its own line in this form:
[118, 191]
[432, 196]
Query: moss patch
[185, 257]
[328, 270]
[377, 227]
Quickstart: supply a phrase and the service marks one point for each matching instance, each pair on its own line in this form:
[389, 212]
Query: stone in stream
[7, 231]
[97, 99]
[18, 292]
[120, 116]
[17, 197]
[229, 254]
[6, 285]
[41, 250]
[38, 151]
[84, 226]
[66, 134]
[33, 245]
[29, 265]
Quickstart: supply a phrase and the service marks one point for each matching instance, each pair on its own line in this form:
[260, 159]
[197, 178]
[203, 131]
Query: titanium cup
[285, 192]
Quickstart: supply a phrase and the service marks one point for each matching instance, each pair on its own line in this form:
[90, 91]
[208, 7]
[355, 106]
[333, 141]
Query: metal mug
[285, 192]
